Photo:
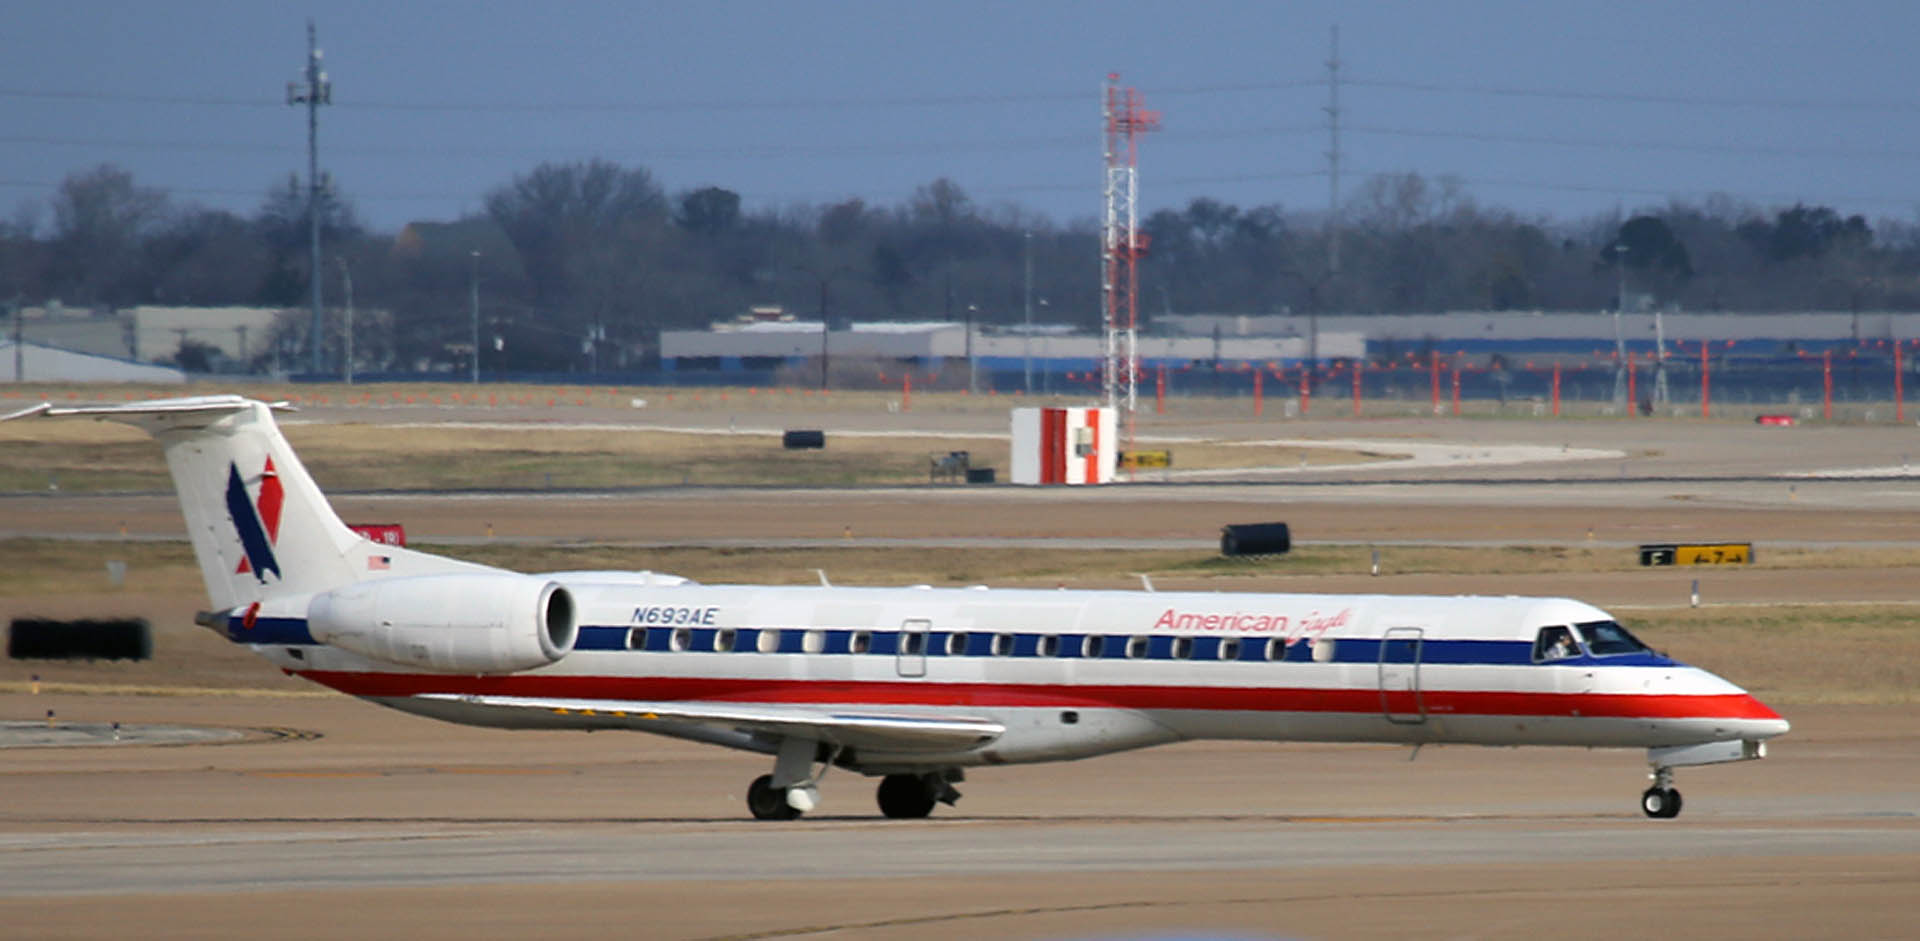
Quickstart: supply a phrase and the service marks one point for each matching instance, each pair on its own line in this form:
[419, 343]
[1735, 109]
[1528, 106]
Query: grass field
[98, 456]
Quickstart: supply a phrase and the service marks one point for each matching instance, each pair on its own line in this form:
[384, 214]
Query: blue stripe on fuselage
[1026, 645]
[293, 631]
[290, 631]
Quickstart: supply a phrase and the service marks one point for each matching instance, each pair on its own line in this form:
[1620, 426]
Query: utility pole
[19, 344]
[1659, 359]
[313, 93]
[473, 297]
[1333, 194]
[973, 375]
[1619, 336]
[346, 357]
[1027, 303]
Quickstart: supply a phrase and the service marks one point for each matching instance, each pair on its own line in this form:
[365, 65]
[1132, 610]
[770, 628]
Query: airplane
[911, 685]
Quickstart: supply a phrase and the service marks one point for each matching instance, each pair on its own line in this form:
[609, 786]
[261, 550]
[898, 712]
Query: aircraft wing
[888, 732]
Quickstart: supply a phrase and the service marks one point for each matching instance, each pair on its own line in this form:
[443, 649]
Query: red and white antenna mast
[1122, 245]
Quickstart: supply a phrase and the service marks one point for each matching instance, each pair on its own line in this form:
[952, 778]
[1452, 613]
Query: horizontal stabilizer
[132, 412]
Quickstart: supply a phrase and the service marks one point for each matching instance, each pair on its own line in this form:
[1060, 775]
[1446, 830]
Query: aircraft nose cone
[1761, 721]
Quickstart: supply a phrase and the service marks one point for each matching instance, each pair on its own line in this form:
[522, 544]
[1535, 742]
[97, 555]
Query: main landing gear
[1662, 800]
[768, 802]
[912, 796]
[794, 786]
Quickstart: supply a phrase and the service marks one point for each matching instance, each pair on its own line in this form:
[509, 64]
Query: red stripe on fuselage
[1222, 698]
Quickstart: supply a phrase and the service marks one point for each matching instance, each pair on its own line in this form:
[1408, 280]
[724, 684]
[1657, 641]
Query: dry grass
[98, 456]
[1816, 653]
[33, 566]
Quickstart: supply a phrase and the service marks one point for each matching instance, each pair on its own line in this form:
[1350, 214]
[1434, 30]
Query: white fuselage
[1074, 674]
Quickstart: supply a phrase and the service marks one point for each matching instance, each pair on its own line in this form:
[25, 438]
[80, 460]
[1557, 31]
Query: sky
[1558, 110]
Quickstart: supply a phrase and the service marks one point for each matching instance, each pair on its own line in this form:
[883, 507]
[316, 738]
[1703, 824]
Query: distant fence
[1868, 382]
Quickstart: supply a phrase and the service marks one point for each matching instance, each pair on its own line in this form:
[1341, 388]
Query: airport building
[768, 338]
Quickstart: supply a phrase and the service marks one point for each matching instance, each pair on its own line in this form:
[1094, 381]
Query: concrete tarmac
[371, 823]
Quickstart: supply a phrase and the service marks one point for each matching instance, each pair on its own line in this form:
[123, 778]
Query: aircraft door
[910, 657]
[1400, 698]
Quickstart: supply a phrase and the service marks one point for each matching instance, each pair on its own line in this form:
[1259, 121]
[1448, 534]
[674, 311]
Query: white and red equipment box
[1064, 445]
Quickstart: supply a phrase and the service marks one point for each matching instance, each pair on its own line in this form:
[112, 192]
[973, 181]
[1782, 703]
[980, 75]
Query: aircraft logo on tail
[258, 524]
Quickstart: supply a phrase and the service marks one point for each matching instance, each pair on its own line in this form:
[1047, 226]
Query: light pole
[346, 358]
[973, 376]
[473, 297]
[1046, 356]
[1027, 304]
[1619, 336]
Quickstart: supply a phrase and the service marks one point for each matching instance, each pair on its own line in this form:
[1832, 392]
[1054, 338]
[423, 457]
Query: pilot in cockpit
[1556, 643]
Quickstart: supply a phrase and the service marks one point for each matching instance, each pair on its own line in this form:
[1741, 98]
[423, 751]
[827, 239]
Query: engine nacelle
[469, 623]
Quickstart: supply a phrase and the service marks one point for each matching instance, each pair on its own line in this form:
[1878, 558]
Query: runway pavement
[374, 823]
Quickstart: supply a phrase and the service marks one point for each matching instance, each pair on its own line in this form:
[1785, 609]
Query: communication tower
[1122, 245]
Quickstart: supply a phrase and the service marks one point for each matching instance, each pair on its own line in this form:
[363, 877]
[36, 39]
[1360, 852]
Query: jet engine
[484, 623]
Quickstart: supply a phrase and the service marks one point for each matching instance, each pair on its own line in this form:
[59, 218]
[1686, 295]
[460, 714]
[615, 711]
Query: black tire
[767, 802]
[1660, 803]
[905, 797]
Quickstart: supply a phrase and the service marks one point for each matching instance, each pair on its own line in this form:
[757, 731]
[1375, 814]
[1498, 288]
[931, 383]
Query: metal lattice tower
[1121, 246]
[313, 92]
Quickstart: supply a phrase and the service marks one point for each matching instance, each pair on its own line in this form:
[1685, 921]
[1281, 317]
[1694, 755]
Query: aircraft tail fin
[259, 525]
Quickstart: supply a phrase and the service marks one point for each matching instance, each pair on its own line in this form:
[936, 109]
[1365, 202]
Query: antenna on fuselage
[823, 578]
[1146, 581]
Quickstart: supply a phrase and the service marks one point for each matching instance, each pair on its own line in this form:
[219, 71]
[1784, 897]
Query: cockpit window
[1609, 639]
[1555, 643]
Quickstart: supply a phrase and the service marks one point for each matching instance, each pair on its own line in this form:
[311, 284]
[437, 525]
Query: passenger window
[1277, 648]
[956, 643]
[1002, 644]
[1049, 645]
[1555, 643]
[1136, 647]
[1096, 644]
[681, 640]
[723, 640]
[1183, 648]
[1230, 648]
[861, 642]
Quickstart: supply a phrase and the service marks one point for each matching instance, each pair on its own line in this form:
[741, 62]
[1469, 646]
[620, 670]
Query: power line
[1700, 101]
[603, 107]
[921, 101]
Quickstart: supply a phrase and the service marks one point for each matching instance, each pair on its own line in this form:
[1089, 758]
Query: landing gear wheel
[905, 796]
[1661, 803]
[768, 802]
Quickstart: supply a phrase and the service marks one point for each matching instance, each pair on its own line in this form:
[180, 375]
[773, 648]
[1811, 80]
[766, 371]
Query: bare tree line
[582, 264]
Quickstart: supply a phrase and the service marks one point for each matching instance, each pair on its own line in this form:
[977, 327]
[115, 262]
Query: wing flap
[889, 732]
